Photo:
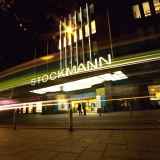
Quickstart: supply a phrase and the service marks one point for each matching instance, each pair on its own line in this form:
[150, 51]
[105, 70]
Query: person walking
[79, 109]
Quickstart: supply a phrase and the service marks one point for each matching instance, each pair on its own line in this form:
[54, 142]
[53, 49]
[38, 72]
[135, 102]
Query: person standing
[84, 108]
[79, 109]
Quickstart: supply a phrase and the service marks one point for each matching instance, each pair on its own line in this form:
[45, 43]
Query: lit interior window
[146, 9]
[30, 107]
[59, 44]
[69, 42]
[86, 30]
[80, 33]
[38, 107]
[157, 6]
[93, 27]
[136, 11]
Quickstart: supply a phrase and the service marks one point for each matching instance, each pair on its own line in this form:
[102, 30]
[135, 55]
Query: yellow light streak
[47, 57]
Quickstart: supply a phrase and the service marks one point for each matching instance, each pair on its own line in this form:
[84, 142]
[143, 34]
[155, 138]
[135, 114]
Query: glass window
[75, 36]
[64, 41]
[136, 11]
[85, 13]
[93, 27]
[91, 8]
[59, 44]
[157, 6]
[86, 30]
[146, 9]
[79, 18]
[73, 20]
[80, 33]
[69, 38]
[95, 48]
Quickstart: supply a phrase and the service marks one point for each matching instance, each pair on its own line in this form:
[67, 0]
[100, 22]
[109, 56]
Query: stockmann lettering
[74, 70]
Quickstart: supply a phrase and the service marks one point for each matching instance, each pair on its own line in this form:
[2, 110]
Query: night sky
[35, 16]
[13, 42]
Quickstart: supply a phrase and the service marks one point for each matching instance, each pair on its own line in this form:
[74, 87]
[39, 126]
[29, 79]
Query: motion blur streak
[51, 103]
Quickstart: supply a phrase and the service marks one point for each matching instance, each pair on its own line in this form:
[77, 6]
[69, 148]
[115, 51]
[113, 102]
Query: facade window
[95, 48]
[64, 41]
[86, 30]
[91, 9]
[157, 6]
[73, 20]
[74, 36]
[59, 44]
[93, 27]
[69, 38]
[136, 11]
[79, 17]
[80, 33]
[146, 9]
[85, 13]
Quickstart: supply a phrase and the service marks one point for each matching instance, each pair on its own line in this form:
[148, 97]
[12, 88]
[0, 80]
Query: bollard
[70, 120]
[15, 119]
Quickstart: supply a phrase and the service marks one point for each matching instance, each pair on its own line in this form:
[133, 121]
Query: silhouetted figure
[79, 109]
[84, 108]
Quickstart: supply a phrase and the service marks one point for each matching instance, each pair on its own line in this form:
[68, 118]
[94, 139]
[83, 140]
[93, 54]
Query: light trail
[53, 102]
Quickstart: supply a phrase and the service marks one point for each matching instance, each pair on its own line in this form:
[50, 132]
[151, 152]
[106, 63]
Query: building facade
[104, 56]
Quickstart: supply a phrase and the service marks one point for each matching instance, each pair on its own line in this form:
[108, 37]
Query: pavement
[109, 136]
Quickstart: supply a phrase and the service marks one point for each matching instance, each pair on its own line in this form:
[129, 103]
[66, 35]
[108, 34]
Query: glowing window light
[93, 27]
[86, 30]
[80, 33]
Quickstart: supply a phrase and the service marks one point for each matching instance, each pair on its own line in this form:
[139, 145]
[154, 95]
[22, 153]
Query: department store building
[104, 56]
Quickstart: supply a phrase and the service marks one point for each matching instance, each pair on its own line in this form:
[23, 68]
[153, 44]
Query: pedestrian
[84, 108]
[79, 109]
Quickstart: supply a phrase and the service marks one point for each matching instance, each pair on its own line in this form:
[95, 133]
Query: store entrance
[91, 105]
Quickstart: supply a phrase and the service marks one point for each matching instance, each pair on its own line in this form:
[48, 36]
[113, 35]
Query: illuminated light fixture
[83, 83]
[20, 25]
[69, 29]
[47, 57]
[24, 29]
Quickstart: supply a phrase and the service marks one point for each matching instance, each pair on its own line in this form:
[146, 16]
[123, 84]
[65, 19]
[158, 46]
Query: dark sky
[14, 40]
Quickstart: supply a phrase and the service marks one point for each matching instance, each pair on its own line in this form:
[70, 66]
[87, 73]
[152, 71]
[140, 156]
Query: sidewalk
[61, 144]
[111, 136]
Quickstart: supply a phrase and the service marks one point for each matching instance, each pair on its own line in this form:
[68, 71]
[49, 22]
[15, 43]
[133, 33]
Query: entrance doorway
[91, 105]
